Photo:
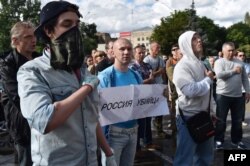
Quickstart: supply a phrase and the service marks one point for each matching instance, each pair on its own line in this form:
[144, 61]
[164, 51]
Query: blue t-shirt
[110, 77]
[124, 79]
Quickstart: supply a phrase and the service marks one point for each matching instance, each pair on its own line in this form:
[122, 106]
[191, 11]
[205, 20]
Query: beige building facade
[140, 36]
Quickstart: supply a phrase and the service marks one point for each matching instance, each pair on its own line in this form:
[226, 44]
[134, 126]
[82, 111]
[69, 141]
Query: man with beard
[58, 95]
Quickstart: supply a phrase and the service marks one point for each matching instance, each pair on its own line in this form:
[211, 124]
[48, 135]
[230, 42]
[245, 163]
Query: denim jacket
[74, 142]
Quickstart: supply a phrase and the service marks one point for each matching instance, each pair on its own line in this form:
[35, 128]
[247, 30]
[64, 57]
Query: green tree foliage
[214, 36]
[169, 30]
[90, 40]
[239, 33]
[12, 11]
[246, 49]
[171, 27]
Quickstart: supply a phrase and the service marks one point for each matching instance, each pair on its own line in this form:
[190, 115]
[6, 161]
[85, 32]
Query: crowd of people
[50, 99]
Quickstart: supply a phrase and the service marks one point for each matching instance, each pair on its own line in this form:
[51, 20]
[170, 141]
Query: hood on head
[185, 44]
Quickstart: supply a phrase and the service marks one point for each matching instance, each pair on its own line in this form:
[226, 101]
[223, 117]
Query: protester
[107, 61]
[210, 66]
[241, 56]
[145, 70]
[98, 56]
[122, 137]
[170, 64]
[58, 95]
[23, 42]
[158, 66]
[92, 68]
[220, 54]
[165, 58]
[192, 82]
[88, 60]
[231, 76]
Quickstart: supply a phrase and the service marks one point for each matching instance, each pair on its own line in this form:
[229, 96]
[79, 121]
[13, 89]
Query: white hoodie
[189, 77]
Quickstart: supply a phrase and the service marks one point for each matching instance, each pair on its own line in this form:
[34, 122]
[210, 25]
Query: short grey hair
[228, 44]
[17, 30]
[153, 43]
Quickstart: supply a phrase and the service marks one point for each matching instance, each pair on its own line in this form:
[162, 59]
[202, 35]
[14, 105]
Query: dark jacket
[105, 63]
[16, 123]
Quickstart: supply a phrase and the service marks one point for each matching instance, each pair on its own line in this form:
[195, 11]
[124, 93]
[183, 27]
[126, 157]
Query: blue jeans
[235, 105]
[123, 142]
[190, 153]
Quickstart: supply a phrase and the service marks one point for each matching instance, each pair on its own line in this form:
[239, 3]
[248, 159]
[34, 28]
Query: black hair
[175, 45]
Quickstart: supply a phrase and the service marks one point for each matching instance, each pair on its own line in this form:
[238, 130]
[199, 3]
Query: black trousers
[24, 154]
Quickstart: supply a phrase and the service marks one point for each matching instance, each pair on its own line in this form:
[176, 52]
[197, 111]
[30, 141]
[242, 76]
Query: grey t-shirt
[155, 63]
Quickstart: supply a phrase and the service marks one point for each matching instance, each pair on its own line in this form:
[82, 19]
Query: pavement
[164, 157]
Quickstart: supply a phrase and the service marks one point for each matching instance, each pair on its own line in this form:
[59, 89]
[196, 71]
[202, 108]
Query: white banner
[119, 104]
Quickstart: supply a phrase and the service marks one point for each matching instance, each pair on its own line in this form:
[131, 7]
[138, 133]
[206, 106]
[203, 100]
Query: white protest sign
[119, 104]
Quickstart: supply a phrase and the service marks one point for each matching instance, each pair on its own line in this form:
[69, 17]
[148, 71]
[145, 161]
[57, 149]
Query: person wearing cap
[58, 95]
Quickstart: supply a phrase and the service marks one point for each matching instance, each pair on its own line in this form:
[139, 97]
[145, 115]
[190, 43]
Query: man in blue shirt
[122, 137]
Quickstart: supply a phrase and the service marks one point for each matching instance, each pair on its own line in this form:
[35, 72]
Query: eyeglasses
[241, 55]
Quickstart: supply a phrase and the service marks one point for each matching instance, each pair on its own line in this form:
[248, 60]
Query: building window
[142, 38]
[138, 39]
[147, 38]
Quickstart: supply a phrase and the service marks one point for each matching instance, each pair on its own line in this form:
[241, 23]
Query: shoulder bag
[200, 126]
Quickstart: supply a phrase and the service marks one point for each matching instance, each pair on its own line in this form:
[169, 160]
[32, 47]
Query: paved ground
[165, 156]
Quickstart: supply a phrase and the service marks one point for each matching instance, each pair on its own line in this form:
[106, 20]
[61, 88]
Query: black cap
[51, 10]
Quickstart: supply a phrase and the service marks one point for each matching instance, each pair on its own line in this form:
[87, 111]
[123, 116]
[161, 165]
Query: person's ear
[14, 41]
